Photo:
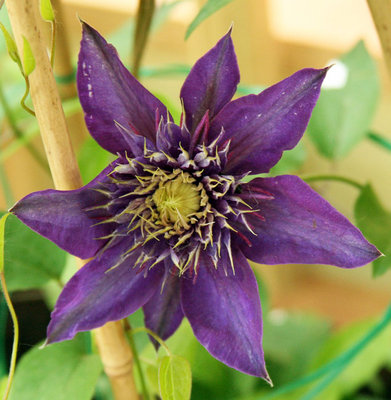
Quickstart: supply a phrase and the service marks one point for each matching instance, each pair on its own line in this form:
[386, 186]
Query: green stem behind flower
[154, 335]
[3, 327]
[145, 12]
[129, 334]
[336, 178]
[380, 140]
[26, 93]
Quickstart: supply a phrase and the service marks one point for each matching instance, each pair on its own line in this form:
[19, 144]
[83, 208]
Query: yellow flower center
[177, 200]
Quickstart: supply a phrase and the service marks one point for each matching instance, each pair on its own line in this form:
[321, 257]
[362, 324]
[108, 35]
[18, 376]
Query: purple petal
[302, 227]
[211, 83]
[61, 216]
[115, 104]
[163, 312]
[262, 126]
[225, 314]
[95, 295]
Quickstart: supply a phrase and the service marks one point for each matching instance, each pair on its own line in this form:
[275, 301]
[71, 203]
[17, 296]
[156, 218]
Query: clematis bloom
[171, 222]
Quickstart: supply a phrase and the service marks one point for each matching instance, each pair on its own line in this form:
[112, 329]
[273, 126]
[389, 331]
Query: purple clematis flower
[171, 222]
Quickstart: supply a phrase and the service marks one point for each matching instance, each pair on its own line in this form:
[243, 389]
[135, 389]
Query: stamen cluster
[175, 204]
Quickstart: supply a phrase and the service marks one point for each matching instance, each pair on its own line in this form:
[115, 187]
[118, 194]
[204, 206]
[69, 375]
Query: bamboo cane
[24, 16]
[381, 14]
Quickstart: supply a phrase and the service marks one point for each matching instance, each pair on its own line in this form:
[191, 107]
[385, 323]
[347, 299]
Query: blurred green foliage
[375, 223]
[346, 105]
[61, 371]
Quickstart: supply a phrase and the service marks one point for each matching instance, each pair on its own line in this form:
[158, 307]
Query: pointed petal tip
[267, 378]
[377, 253]
[261, 372]
[80, 19]
[85, 25]
[373, 253]
[89, 32]
[44, 344]
[326, 236]
[87, 29]
[211, 83]
[326, 69]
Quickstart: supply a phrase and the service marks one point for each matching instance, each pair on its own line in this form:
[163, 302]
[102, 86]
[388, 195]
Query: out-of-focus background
[273, 39]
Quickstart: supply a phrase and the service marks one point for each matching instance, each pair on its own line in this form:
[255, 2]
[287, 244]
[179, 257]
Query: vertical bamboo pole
[24, 16]
[381, 14]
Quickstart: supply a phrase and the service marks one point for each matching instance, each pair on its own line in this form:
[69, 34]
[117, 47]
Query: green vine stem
[26, 93]
[129, 334]
[3, 327]
[154, 335]
[11, 309]
[145, 12]
[380, 140]
[336, 178]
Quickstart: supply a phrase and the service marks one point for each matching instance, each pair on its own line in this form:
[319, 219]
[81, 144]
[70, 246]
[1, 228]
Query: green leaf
[92, 159]
[122, 38]
[206, 369]
[174, 378]
[32, 260]
[244, 90]
[151, 373]
[291, 160]
[344, 113]
[206, 11]
[375, 223]
[173, 108]
[60, 371]
[46, 10]
[3, 385]
[292, 338]
[11, 45]
[28, 58]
